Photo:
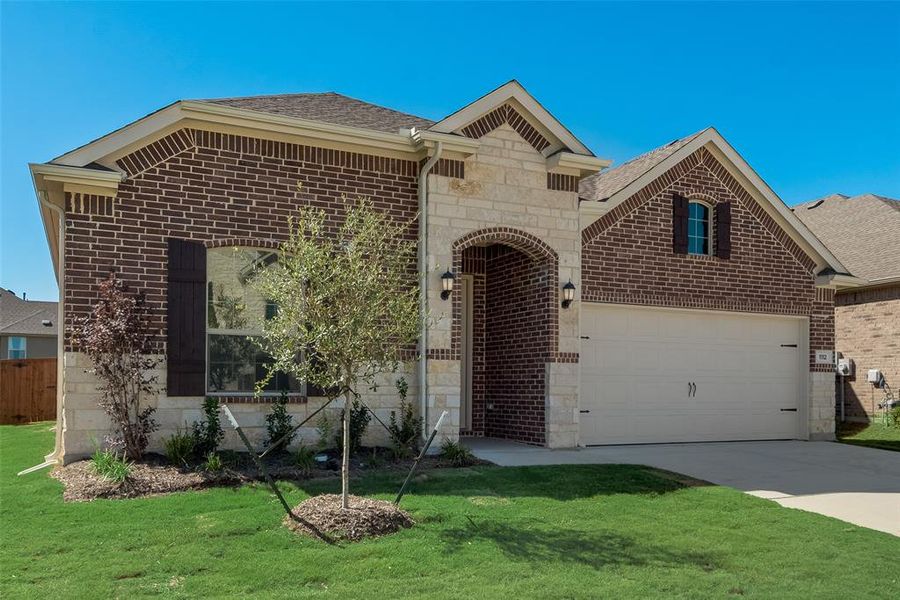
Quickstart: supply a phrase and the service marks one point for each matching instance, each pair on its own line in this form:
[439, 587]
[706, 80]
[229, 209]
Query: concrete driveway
[854, 484]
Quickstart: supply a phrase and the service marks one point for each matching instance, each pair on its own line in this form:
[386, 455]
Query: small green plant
[179, 447]
[279, 422]
[893, 417]
[456, 454]
[110, 466]
[213, 463]
[404, 431]
[305, 458]
[208, 432]
[359, 422]
[325, 429]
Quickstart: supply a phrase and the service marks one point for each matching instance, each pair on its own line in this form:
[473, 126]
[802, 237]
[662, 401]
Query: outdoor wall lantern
[568, 294]
[447, 280]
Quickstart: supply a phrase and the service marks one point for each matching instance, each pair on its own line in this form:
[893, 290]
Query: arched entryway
[505, 328]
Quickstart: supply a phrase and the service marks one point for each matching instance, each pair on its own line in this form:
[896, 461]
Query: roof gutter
[60, 347]
[423, 283]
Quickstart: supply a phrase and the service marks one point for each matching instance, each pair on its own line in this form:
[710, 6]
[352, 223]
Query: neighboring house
[27, 328]
[864, 233]
[674, 298]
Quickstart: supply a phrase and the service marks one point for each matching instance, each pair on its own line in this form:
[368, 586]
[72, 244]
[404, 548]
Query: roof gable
[656, 163]
[492, 109]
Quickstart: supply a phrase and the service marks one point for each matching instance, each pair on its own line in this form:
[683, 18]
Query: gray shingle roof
[24, 317]
[603, 185]
[863, 232]
[329, 107]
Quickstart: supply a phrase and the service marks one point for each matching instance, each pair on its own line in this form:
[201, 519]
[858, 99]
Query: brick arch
[243, 243]
[524, 242]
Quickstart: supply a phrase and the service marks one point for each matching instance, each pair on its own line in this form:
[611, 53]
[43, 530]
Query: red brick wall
[867, 329]
[211, 187]
[627, 255]
[510, 333]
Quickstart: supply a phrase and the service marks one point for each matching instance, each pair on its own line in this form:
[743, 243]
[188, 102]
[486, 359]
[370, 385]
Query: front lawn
[873, 435]
[485, 532]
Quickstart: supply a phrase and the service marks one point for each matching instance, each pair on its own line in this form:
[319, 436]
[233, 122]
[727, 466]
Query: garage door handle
[584, 411]
[788, 410]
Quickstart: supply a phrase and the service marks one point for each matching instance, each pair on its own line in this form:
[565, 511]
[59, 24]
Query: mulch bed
[322, 517]
[154, 475]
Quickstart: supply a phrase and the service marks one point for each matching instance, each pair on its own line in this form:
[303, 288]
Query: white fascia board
[240, 117]
[492, 100]
[111, 142]
[795, 227]
[76, 175]
[452, 143]
[840, 281]
[586, 165]
[199, 112]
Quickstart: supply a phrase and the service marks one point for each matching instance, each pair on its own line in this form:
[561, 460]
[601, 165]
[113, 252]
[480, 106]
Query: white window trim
[23, 349]
[236, 332]
[709, 227]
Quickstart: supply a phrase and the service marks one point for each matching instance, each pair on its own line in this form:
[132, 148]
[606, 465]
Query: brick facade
[867, 330]
[222, 189]
[627, 256]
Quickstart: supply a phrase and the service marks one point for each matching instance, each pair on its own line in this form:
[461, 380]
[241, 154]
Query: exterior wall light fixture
[447, 280]
[568, 294]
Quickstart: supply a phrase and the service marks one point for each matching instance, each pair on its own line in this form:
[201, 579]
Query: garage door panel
[644, 363]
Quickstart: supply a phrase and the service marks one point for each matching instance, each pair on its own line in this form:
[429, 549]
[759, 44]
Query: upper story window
[16, 347]
[698, 228]
[235, 313]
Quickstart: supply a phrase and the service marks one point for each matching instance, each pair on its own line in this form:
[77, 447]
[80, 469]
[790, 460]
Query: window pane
[232, 302]
[235, 365]
[16, 347]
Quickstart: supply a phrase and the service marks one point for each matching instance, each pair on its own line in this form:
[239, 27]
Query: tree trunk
[345, 459]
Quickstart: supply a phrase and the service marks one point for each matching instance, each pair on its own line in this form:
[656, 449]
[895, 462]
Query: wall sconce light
[447, 280]
[568, 294]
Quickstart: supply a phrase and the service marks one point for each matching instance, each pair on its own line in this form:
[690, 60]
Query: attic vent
[47, 323]
[89, 204]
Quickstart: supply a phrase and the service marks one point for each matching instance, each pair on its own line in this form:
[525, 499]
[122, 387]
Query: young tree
[347, 304]
[116, 339]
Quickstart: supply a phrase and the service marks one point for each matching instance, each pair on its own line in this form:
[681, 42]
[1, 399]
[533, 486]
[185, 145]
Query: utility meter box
[845, 367]
[874, 376]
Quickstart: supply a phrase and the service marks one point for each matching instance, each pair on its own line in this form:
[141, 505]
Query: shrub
[208, 432]
[213, 463]
[405, 431]
[110, 465]
[894, 417]
[359, 422]
[457, 454]
[116, 337]
[179, 447]
[305, 458]
[279, 422]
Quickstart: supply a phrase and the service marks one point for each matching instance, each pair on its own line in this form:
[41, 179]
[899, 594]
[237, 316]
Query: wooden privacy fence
[27, 390]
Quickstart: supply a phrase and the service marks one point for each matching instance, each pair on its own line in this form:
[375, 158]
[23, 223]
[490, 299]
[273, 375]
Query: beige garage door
[657, 375]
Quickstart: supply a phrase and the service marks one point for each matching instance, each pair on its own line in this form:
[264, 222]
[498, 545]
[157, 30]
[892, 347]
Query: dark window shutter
[723, 230]
[186, 313]
[679, 224]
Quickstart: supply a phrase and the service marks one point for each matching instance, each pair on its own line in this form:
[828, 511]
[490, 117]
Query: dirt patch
[154, 475]
[322, 517]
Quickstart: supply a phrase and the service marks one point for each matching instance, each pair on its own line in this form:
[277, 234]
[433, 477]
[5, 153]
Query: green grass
[485, 532]
[873, 435]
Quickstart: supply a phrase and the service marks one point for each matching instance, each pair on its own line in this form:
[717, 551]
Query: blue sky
[809, 93]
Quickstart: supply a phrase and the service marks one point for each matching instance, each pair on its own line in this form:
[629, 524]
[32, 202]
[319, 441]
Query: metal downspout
[423, 285]
[60, 328]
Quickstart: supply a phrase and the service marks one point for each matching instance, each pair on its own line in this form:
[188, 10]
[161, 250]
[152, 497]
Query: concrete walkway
[854, 484]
